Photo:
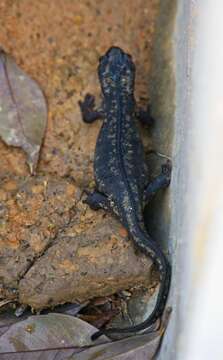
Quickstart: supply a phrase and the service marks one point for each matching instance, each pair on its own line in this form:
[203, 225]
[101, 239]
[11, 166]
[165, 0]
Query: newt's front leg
[88, 110]
[97, 201]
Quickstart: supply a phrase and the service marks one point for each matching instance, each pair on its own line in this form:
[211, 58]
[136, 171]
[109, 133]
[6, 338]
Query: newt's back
[119, 157]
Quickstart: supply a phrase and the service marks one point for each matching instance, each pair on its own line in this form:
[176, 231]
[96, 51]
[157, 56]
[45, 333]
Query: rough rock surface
[55, 250]
[76, 268]
[32, 211]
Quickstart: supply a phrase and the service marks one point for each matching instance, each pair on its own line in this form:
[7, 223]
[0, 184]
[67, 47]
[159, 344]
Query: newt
[120, 168]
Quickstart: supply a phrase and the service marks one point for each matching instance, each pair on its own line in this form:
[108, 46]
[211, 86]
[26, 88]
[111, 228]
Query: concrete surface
[196, 200]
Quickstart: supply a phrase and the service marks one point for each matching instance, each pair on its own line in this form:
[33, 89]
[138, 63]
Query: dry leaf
[142, 347]
[41, 354]
[23, 110]
[44, 332]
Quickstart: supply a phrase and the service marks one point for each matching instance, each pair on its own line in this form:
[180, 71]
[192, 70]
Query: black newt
[120, 169]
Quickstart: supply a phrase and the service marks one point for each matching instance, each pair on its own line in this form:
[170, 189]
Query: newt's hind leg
[160, 182]
[87, 107]
[97, 201]
[144, 116]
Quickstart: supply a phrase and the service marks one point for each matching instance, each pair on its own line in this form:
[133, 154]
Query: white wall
[196, 328]
[204, 334]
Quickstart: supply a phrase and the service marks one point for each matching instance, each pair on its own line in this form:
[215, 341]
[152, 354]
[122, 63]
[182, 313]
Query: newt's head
[116, 70]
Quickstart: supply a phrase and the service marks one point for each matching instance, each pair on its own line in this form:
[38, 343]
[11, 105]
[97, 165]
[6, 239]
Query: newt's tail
[150, 248]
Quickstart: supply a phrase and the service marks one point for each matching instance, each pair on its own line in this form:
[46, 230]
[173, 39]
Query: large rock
[54, 249]
[97, 262]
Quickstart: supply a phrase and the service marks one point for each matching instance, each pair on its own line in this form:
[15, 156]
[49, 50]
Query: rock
[97, 262]
[32, 212]
[55, 249]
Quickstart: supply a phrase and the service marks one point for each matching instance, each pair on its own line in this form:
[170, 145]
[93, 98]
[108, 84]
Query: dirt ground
[58, 44]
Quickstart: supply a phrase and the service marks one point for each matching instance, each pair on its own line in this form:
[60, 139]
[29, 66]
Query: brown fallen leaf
[141, 347]
[57, 354]
[101, 310]
[101, 300]
[4, 302]
[99, 320]
[62, 350]
[45, 332]
[23, 110]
